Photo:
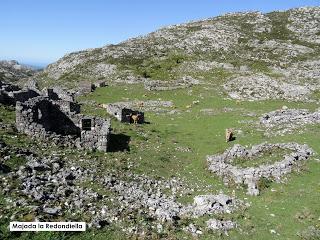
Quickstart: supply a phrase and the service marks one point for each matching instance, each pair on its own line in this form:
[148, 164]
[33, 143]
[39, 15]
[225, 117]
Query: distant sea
[36, 66]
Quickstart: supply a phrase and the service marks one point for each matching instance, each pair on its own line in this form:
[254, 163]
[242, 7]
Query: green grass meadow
[282, 211]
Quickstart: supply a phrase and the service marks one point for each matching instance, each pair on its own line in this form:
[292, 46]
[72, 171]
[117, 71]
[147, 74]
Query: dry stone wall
[60, 120]
[122, 111]
[222, 164]
[157, 85]
[285, 120]
[10, 94]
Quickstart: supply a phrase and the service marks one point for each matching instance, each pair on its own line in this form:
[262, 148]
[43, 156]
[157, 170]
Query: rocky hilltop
[281, 48]
[12, 71]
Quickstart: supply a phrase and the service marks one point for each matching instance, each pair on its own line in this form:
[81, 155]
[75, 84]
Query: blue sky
[39, 32]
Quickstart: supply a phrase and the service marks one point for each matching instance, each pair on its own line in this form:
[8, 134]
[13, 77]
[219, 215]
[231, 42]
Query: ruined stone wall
[55, 116]
[39, 116]
[122, 112]
[9, 88]
[126, 115]
[98, 136]
[23, 95]
[32, 84]
[58, 93]
[115, 110]
[158, 85]
[84, 87]
[222, 164]
[5, 99]
[68, 107]
[286, 121]
[44, 118]
[10, 94]
[164, 85]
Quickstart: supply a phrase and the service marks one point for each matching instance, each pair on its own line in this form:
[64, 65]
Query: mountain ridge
[13, 71]
[244, 43]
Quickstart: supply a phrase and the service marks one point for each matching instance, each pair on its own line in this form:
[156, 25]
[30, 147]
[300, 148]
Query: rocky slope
[282, 47]
[12, 71]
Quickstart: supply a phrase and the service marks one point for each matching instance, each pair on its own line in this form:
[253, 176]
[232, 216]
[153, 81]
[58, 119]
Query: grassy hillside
[290, 208]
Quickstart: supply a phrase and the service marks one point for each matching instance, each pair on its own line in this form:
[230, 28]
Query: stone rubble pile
[302, 71]
[222, 164]
[220, 226]
[59, 189]
[225, 226]
[193, 229]
[54, 182]
[212, 204]
[53, 186]
[146, 194]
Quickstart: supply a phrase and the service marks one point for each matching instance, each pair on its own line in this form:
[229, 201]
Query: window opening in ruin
[86, 124]
[39, 114]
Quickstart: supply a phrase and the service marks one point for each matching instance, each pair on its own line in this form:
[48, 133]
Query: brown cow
[229, 134]
[135, 118]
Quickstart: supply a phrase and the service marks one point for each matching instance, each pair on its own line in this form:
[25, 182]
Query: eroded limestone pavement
[50, 187]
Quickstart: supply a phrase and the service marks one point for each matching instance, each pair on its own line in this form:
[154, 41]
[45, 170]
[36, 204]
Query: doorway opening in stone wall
[86, 124]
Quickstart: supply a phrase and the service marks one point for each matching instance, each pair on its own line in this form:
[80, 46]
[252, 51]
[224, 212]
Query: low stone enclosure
[285, 120]
[61, 120]
[222, 164]
[146, 105]
[158, 85]
[123, 113]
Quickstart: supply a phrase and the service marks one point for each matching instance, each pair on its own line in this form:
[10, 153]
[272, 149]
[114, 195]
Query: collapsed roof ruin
[10, 94]
[123, 112]
[52, 114]
[61, 120]
[57, 93]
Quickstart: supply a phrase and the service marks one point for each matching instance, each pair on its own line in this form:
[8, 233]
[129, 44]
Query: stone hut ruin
[61, 120]
[57, 93]
[95, 132]
[123, 113]
[52, 114]
[10, 94]
[222, 164]
[99, 84]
